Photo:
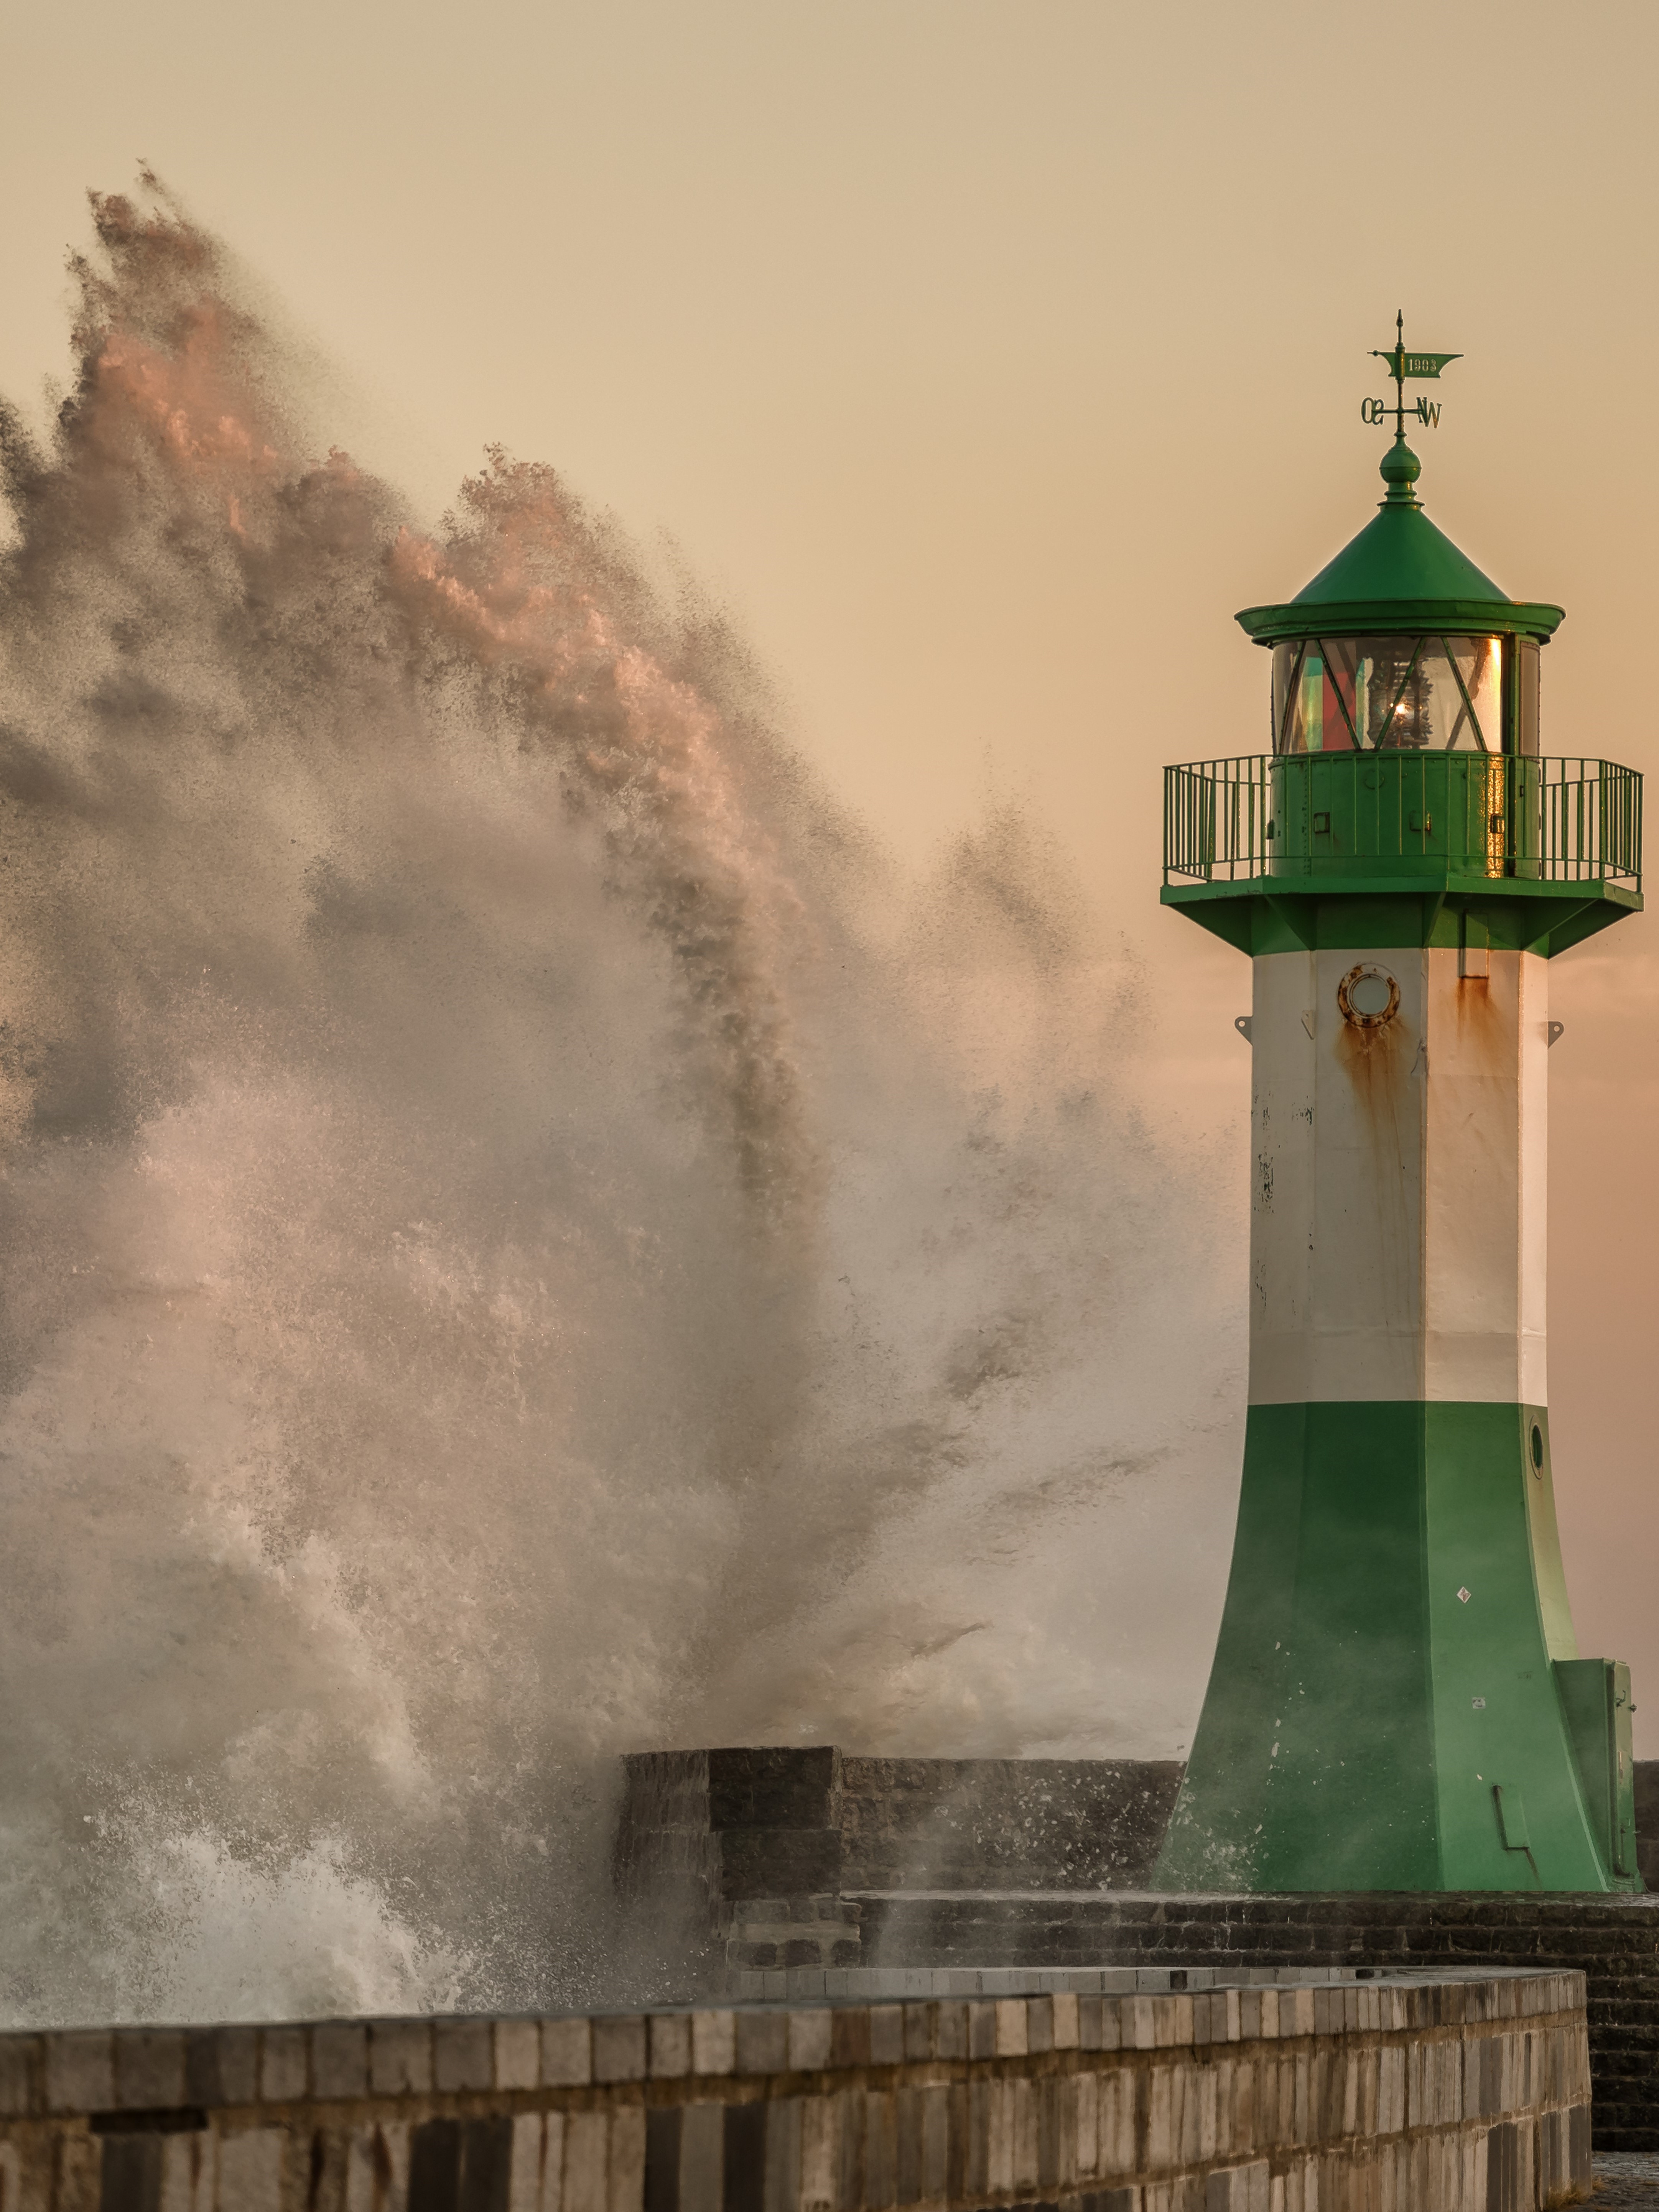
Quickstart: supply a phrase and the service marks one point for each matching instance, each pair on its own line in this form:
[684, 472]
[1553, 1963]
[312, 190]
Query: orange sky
[985, 358]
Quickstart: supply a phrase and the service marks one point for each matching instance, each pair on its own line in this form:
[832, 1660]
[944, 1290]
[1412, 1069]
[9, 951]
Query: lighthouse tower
[1397, 1700]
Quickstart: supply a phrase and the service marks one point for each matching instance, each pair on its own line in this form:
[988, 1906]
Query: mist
[528, 1235]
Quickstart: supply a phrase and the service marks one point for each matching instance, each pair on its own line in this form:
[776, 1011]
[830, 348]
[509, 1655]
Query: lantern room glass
[1411, 693]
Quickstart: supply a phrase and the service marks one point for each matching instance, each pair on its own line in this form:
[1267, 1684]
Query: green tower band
[1397, 1701]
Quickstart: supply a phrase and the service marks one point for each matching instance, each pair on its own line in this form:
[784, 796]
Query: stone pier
[1403, 2093]
[808, 1872]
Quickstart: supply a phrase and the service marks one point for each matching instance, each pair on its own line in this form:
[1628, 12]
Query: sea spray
[523, 1238]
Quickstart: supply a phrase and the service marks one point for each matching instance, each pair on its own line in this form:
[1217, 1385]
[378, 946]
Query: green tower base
[1396, 1703]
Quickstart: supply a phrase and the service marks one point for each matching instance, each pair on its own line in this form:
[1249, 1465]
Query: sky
[983, 359]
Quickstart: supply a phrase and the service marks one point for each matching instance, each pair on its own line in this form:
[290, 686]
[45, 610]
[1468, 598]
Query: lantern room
[1430, 693]
[1404, 756]
[1402, 645]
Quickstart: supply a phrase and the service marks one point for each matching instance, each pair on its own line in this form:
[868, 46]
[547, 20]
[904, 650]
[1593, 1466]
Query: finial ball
[1400, 465]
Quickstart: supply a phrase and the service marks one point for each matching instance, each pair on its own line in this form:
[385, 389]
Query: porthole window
[1537, 1449]
[1368, 996]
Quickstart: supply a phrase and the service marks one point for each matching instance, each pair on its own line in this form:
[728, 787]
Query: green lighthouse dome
[1400, 573]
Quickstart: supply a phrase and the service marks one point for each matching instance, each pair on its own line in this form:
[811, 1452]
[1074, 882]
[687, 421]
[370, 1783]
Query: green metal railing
[1378, 815]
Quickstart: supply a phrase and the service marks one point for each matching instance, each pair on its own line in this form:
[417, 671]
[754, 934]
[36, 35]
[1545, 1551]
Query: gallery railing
[1377, 815]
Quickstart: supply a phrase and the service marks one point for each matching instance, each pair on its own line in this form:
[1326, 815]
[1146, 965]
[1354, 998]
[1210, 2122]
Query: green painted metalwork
[1401, 573]
[1551, 919]
[1402, 364]
[1392, 848]
[1487, 819]
[1271, 852]
[1384, 1667]
[1595, 1698]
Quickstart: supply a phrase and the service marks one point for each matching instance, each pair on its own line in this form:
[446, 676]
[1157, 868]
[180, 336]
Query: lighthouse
[1397, 1701]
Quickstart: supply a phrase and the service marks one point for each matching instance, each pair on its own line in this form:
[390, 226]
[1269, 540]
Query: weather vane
[1402, 365]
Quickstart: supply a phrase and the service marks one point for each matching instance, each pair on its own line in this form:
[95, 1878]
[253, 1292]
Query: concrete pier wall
[806, 1872]
[759, 1852]
[1463, 2094]
[745, 1823]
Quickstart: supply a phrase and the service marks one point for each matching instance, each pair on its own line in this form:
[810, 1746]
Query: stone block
[702, 2160]
[528, 2170]
[820, 2153]
[189, 2178]
[780, 2176]
[744, 2155]
[1012, 2027]
[568, 2053]
[1025, 2141]
[401, 2058]
[936, 2143]
[886, 2035]
[80, 2071]
[619, 2053]
[75, 2180]
[762, 2043]
[284, 2065]
[775, 1789]
[462, 2056]
[757, 1862]
[625, 2160]
[669, 2053]
[340, 2058]
[221, 2066]
[518, 2054]
[149, 2068]
[586, 2141]
[907, 2146]
[1165, 2086]
[251, 2168]
[131, 2177]
[20, 2075]
[1240, 2188]
[714, 2042]
[1000, 2122]
[808, 2041]
[951, 2028]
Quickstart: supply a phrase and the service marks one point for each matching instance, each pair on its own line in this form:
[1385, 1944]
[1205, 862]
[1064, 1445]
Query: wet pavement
[1626, 2181]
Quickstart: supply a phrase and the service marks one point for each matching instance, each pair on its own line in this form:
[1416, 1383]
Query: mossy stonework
[1397, 1701]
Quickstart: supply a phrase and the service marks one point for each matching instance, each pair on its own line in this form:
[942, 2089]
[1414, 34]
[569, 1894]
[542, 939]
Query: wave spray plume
[524, 1238]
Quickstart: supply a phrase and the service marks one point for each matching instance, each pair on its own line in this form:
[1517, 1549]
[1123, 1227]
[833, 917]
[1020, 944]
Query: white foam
[524, 1240]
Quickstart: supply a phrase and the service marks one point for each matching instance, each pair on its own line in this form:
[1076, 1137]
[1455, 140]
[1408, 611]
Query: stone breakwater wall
[1612, 1941]
[1409, 2095]
[820, 1824]
[773, 1873]
[704, 1832]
